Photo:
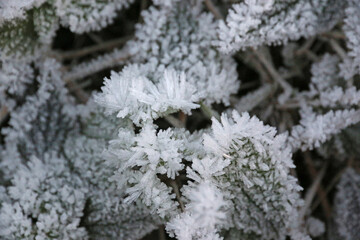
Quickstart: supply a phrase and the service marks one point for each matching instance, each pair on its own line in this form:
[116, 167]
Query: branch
[338, 49]
[174, 121]
[332, 184]
[4, 113]
[96, 48]
[209, 112]
[273, 72]
[177, 193]
[252, 99]
[307, 45]
[80, 94]
[320, 190]
[335, 34]
[109, 60]
[310, 194]
[162, 234]
[213, 9]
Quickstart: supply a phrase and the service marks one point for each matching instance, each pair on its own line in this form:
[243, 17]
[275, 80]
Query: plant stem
[213, 9]
[209, 112]
[177, 193]
[92, 49]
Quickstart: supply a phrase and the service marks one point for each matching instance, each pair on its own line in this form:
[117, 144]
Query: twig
[338, 49]
[273, 72]
[209, 112]
[143, 6]
[251, 100]
[183, 118]
[248, 59]
[95, 38]
[288, 105]
[312, 56]
[213, 9]
[174, 121]
[96, 48]
[4, 113]
[248, 85]
[162, 235]
[96, 65]
[336, 35]
[302, 50]
[320, 190]
[177, 193]
[333, 182]
[80, 94]
[328, 188]
[310, 194]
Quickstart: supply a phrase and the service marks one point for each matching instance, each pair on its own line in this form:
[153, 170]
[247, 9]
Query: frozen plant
[142, 95]
[253, 23]
[347, 205]
[126, 119]
[29, 26]
[239, 160]
[180, 37]
[57, 182]
[328, 91]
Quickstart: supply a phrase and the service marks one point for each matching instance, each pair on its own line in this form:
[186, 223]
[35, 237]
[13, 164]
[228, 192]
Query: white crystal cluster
[170, 141]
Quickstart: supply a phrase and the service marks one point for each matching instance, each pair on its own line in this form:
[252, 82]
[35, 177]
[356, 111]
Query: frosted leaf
[350, 67]
[253, 23]
[250, 166]
[179, 37]
[139, 95]
[28, 26]
[328, 88]
[314, 129]
[101, 212]
[327, 108]
[107, 216]
[15, 77]
[140, 159]
[347, 205]
[41, 123]
[45, 203]
[84, 15]
[10, 9]
[26, 38]
[185, 227]
[206, 204]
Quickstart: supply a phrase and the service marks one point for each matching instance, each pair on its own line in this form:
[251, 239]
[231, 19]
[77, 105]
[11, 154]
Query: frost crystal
[141, 159]
[58, 184]
[181, 38]
[29, 26]
[141, 95]
[347, 205]
[253, 23]
[162, 139]
[328, 90]
[249, 165]
[352, 32]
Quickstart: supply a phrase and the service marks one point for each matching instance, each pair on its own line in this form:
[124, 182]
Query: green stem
[209, 112]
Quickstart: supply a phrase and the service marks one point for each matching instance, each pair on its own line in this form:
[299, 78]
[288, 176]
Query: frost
[253, 23]
[181, 38]
[249, 165]
[315, 227]
[347, 205]
[142, 96]
[164, 138]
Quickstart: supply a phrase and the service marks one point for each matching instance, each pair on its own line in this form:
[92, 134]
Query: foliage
[194, 119]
